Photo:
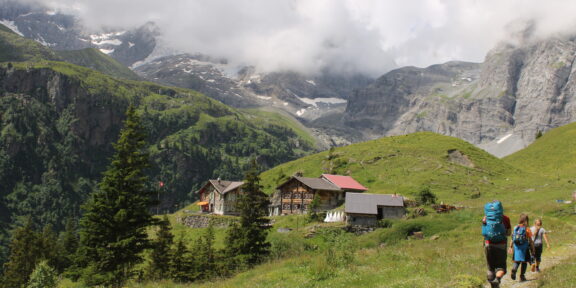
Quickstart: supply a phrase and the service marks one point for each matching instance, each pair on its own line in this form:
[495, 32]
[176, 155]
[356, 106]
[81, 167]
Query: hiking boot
[522, 278]
[495, 283]
[538, 269]
[533, 268]
[513, 275]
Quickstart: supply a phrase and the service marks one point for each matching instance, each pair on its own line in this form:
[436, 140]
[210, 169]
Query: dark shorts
[538, 254]
[496, 256]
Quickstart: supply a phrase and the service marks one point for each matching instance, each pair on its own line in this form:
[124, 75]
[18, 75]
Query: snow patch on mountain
[12, 26]
[314, 101]
[107, 51]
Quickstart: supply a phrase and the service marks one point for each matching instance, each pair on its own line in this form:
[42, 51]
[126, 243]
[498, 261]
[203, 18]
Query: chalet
[296, 194]
[219, 197]
[367, 209]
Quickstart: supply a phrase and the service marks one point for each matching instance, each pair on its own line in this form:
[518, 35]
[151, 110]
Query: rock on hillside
[500, 104]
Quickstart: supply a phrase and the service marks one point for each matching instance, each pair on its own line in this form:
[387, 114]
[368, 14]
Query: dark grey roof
[364, 203]
[317, 183]
[223, 186]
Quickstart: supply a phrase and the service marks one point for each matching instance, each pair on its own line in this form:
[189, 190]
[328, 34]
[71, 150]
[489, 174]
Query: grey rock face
[65, 32]
[515, 93]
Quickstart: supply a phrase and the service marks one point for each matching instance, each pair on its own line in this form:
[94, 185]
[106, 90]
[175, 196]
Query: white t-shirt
[537, 238]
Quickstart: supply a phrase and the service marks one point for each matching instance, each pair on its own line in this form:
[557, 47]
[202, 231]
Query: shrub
[43, 276]
[425, 196]
[385, 223]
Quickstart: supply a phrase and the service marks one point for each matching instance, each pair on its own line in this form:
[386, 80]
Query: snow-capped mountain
[64, 32]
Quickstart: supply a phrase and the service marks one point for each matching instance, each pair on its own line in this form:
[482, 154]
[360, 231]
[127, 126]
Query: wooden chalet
[296, 194]
[364, 209]
[220, 197]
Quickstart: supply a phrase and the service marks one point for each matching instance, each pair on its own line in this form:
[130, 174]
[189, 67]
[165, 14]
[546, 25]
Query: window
[285, 206]
[296, 195]
[309, 196]
[286, 195]
[296, 207]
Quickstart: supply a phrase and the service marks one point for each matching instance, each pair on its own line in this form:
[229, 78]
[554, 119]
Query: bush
[385, 223]
[43, 276]
[426, 197]
[285, 245]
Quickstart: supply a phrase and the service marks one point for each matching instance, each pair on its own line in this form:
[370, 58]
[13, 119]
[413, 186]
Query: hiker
[495, 227]
[538, 233]
[522, 245]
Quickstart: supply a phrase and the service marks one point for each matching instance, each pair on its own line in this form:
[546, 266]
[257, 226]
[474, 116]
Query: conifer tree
[161, 251]
[113, 226]
[24, 254]
[43, 276]
[180, 263]
[246, 241]
[68, 244]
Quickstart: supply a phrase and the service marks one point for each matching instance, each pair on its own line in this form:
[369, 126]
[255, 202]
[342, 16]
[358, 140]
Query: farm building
[296, 194]
[219, 196]
[367, 209]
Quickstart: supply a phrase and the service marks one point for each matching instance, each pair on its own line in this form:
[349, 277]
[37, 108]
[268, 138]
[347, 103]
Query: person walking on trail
[521, 245]
[538, 233]
[495, 229]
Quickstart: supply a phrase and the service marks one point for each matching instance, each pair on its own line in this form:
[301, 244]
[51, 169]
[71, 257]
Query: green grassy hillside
[404, 164]
[96, 60]
[553, 154]
[14, 47]
[322, 255]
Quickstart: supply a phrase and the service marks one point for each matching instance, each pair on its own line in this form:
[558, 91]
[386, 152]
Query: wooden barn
[296, 194]
[365, 209]
[220, 196]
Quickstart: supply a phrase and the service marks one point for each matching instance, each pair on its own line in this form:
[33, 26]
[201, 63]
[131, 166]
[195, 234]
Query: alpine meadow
[292, 143]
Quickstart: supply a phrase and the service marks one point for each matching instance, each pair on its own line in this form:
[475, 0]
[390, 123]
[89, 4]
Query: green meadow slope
[553, 154]
[96, 60]
[405, 164]
[322, 255]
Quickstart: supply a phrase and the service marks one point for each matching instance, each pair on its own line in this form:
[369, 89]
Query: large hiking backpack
[493, 229]
[519, 237]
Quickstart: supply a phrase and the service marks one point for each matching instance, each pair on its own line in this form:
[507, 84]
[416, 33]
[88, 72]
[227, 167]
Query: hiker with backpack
[495, 229]
[521, 245]
[538, 233]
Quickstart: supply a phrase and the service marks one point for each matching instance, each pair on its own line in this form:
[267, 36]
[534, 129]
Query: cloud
[368, 36]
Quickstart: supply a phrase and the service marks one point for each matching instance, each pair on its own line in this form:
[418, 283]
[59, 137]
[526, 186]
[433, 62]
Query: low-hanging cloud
[367, 36]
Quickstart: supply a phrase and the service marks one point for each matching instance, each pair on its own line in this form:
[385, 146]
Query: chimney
[218, 180]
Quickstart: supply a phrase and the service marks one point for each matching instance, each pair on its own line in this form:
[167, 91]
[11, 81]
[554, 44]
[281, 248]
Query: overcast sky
[370, 36]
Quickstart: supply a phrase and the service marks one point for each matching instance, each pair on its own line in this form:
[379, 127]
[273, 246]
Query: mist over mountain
[370, 37]
[336, 66]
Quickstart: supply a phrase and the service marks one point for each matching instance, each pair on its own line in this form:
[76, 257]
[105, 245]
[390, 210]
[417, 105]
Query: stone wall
[203, 221]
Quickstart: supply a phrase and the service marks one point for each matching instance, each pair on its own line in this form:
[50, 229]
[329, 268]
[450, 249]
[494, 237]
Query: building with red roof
[295, 195]
[345, 183]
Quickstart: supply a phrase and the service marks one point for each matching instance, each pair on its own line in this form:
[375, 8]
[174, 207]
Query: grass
[403, 165]
[278, 118]
[322, 255]
[94, 59]
[553, 154]
[14, 47]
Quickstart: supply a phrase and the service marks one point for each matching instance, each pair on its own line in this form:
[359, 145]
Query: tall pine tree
[25, 253]
[159, 266]
[246, 242]
[113, 226]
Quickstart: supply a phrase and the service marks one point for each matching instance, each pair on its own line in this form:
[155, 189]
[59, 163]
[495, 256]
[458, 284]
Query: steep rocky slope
[64, 32]
[306, 98]
[499, 105]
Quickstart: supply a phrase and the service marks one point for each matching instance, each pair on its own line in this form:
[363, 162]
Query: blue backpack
[519, 237]
[493, 230]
